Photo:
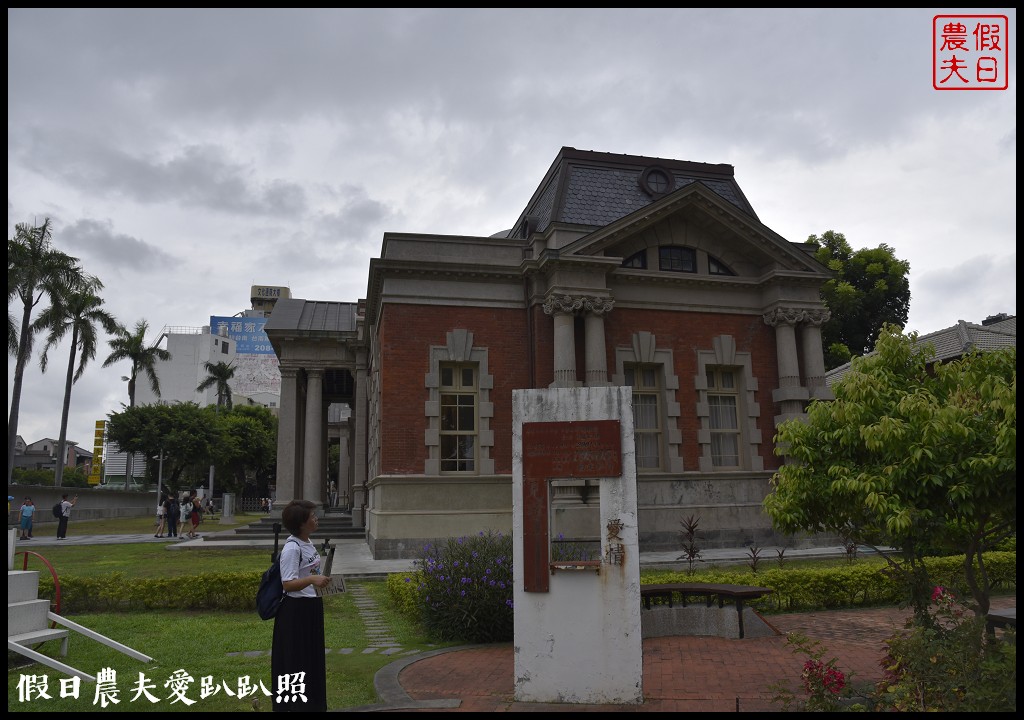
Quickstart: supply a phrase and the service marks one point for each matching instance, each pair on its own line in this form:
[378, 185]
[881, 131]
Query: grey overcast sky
[184, 155]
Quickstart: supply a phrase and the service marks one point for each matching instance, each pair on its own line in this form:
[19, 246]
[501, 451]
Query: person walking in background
[298, 645]
[65, 515]
[161, 518]
[186, 516]
[172, 512]
[196, 516]
[28, 509]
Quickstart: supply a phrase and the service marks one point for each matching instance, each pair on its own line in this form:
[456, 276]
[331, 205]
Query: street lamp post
[160, 476]
[217, 413]
[129, 459]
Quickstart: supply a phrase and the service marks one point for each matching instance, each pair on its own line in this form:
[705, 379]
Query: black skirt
[299, 648]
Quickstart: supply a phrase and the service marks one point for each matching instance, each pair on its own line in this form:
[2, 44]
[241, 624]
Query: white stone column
[790, 395]
[596, 360]
[313, 456]
[359, 443]
[563, 309]
[814, 355]
[287, 438]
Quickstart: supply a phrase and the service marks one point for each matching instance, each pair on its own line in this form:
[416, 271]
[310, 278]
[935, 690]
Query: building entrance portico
[320, 368]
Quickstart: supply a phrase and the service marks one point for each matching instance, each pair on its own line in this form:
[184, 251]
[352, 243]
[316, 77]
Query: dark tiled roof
[955, 341]
[311, 317]
[594, 189]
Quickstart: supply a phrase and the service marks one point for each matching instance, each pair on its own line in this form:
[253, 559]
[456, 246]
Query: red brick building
[621, 270]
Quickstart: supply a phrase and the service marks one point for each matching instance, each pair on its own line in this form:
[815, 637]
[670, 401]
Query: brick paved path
[683, 673]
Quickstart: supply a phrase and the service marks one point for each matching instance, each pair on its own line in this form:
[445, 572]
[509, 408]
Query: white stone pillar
[313, 455]
[596, 360]
[790, 395]
[814, 356]
[359, 444]
[287, 437]
[563, 309]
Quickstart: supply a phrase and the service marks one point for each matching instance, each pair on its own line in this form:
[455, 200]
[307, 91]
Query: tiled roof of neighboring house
[957, 340]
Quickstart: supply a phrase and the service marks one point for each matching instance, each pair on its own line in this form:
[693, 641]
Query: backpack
[271, 592]
[58, 511]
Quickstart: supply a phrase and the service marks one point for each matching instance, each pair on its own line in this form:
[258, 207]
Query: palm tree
[219, 374]
[77, 311]
[132, 346]
[34, 269]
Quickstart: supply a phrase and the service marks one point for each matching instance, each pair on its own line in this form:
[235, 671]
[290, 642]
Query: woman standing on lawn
[28, 509]
[299, 625]
[161, 518]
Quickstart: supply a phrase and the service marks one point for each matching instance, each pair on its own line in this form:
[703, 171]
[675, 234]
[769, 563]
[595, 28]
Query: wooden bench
[1002, 618]
[709, 591]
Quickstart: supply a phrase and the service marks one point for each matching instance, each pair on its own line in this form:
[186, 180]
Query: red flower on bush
[819, 676]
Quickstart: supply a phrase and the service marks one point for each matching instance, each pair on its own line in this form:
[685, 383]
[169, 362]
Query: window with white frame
[644, 379]
[723, 400]
[458, 431]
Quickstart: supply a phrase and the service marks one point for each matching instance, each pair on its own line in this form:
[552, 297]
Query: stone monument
[576, 553]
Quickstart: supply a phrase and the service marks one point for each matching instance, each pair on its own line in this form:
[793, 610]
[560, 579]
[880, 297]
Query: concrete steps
[333, 525]
[27, 613]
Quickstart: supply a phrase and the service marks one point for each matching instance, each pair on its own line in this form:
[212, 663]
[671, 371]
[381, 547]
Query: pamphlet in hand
[337, 583]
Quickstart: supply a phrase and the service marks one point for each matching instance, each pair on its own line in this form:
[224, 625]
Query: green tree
[241, 442]
[131, 345]
[34, 269]
[870, 289]
[913, 455]
[248, 446]
[74, 311]
[219, 374]
[182, 432]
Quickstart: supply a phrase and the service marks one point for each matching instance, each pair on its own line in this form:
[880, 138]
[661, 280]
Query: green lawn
[224, 648]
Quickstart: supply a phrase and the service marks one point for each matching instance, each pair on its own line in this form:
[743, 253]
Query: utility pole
[217, 413]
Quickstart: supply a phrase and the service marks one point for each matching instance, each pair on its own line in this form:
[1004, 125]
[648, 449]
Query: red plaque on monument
[575, 449]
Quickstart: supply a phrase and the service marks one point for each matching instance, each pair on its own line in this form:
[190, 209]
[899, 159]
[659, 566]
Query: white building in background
[190, 348]
[238, 339]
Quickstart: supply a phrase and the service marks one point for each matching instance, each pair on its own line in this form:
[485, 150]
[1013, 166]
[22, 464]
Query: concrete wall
[408, 512]
[92, 504]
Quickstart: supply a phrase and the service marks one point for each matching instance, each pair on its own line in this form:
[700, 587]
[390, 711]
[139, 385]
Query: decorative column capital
[794, 316]
[562, 304]
[817, 318]
[572, 304]
[290, 373]
[598, 305]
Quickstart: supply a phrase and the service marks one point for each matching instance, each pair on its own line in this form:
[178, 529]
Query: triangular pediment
[696, 217]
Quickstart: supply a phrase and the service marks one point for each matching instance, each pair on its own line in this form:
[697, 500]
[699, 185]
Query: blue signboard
[256, 366]
[247, 332]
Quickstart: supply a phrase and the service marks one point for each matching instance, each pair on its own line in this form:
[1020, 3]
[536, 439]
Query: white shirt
[299, 559]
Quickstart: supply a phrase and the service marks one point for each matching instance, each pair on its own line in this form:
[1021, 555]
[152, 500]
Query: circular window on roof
[657, 181]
